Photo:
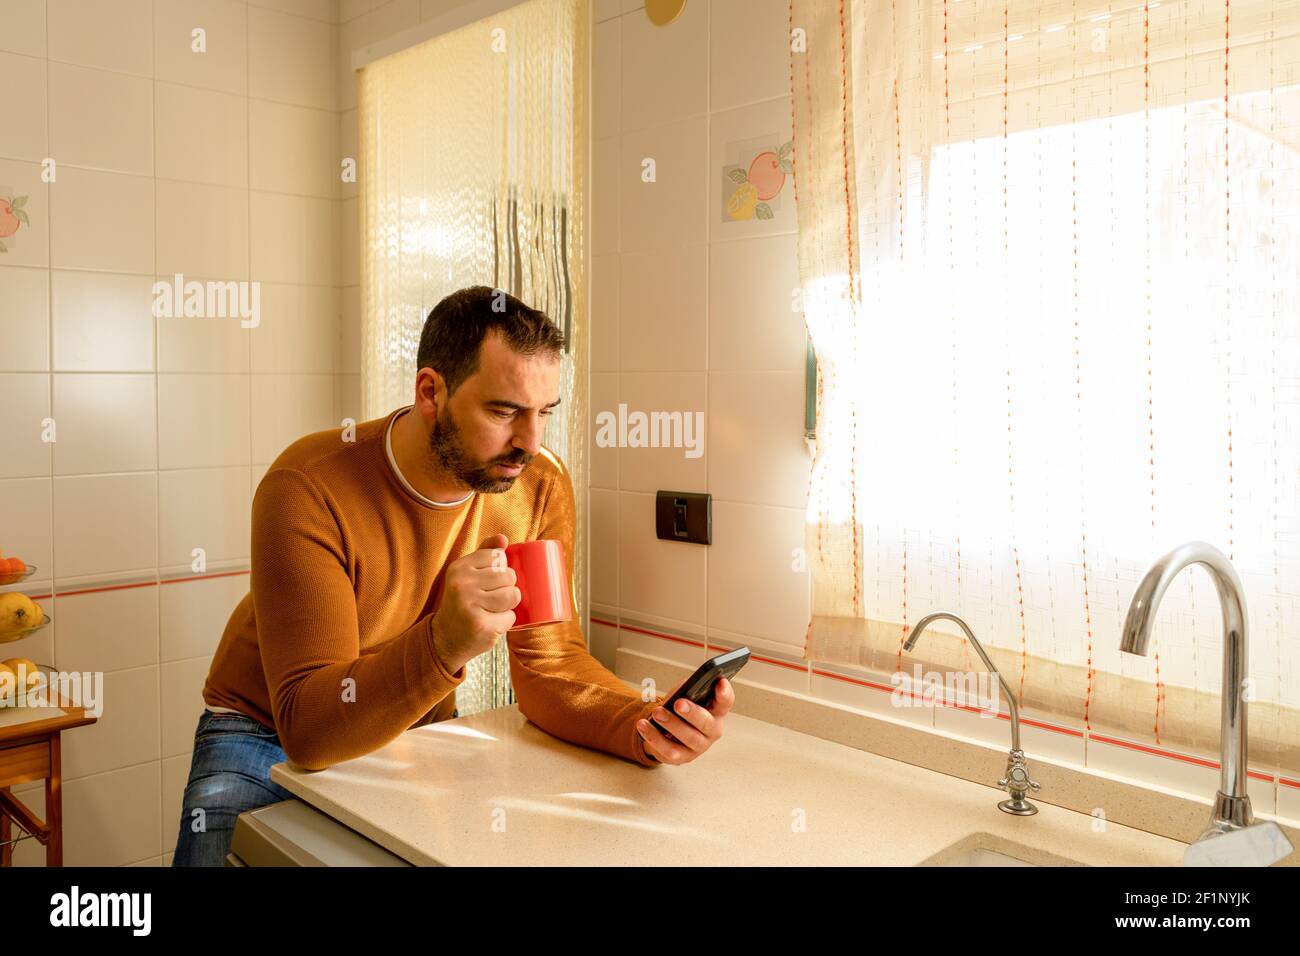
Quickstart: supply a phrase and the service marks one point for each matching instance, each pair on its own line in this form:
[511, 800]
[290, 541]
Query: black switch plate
[684, 516]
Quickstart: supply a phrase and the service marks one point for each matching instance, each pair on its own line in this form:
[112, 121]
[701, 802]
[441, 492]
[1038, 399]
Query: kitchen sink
[979, 856]
[986, 849]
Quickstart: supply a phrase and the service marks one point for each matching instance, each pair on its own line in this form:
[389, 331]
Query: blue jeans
[230, 772]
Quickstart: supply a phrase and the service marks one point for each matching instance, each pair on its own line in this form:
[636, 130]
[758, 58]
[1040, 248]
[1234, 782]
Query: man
[378, 573]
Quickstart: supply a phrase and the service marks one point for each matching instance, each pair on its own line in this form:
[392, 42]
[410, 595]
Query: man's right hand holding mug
[478, 601]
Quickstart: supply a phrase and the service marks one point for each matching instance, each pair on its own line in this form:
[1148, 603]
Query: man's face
[496, 418]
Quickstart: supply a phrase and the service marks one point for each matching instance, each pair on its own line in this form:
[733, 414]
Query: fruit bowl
[10, 636]
[36, 700]
[20, 576]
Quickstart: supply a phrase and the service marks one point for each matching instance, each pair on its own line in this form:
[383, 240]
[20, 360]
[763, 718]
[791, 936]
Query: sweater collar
[392, 463]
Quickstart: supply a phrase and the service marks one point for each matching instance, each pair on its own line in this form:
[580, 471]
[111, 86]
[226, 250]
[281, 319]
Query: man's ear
[430, 390]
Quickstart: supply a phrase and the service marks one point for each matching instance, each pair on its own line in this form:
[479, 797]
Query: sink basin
[986, 849]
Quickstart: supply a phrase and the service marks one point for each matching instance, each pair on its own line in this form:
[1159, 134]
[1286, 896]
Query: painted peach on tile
[12, 215]
[765, 173]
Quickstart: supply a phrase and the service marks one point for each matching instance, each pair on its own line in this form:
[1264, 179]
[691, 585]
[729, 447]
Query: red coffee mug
[543, 581]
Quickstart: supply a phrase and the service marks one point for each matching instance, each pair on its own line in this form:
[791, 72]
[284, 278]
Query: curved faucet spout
[1016, 780]
[1232, 808]
[929, 619]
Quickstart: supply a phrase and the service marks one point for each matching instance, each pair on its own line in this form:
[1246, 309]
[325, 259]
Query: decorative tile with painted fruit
[754, 178]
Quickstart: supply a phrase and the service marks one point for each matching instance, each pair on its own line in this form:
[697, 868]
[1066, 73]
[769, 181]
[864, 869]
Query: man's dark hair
[454, 331]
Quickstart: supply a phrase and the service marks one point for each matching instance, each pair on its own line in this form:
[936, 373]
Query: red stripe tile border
[204, 577]
[101, 589]
[1173, 755]
[694, 643]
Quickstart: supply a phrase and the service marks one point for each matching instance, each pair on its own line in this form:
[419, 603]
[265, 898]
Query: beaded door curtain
[473, 172]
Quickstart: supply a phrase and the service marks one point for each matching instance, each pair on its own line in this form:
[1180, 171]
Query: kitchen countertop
[493, 789]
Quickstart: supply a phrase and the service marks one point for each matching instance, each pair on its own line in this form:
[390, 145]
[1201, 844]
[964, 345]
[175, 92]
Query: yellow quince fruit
[18, 613]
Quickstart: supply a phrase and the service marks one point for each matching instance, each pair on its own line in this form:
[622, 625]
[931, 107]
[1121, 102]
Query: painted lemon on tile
[742, 202]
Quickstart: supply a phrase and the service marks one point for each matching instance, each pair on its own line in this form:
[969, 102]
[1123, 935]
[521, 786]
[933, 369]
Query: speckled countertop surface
[493, 789]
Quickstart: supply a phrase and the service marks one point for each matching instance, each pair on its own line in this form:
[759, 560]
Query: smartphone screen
[698, 688]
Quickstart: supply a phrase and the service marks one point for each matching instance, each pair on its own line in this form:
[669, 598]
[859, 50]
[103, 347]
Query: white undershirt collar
[388, 447]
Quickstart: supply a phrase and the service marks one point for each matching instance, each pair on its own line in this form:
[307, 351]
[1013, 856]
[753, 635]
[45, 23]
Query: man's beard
[452, 457]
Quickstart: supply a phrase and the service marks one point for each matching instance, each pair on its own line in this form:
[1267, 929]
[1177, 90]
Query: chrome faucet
[1232, 803]
[1016, 782]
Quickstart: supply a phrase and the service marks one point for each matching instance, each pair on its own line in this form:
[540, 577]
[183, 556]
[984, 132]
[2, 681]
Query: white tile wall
[113, 36]
[665, 70]
[102, 322]
[757, 543]
[203, 231]
[202, 135]
[106, 423]
[291, 59]
[294, 149]
[220, 165]
[662, 183]
[223, 65]
[669, 469]
[662, 325]
[107, 630]
[26, 399]
[220, 528]
[101, 120]
[693, 314]
[661, 578]
[604, 542]
[755, 325]
[749, 52]
[26, 295]
[102, 221]
[23, 101]
[22, 27]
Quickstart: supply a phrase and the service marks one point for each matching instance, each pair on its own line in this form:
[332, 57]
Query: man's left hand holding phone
[696, 728]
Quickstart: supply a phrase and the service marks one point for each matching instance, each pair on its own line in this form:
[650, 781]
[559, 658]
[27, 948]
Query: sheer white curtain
[1050, 263]
[473, 172]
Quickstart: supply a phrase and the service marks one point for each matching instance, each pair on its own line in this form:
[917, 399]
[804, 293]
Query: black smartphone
[699, 688]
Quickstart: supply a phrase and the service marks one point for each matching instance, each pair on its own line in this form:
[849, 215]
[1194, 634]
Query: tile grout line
[708, 285]
[157, 403]
[248, 230]
[49, 315]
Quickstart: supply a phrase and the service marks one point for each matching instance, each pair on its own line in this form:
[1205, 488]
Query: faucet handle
[1017, 778]
[1017, 783]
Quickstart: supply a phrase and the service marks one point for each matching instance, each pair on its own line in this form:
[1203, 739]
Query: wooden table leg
[54, 805]
[6, 834]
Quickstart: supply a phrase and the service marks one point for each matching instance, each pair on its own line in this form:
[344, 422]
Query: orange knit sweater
[334, 646]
